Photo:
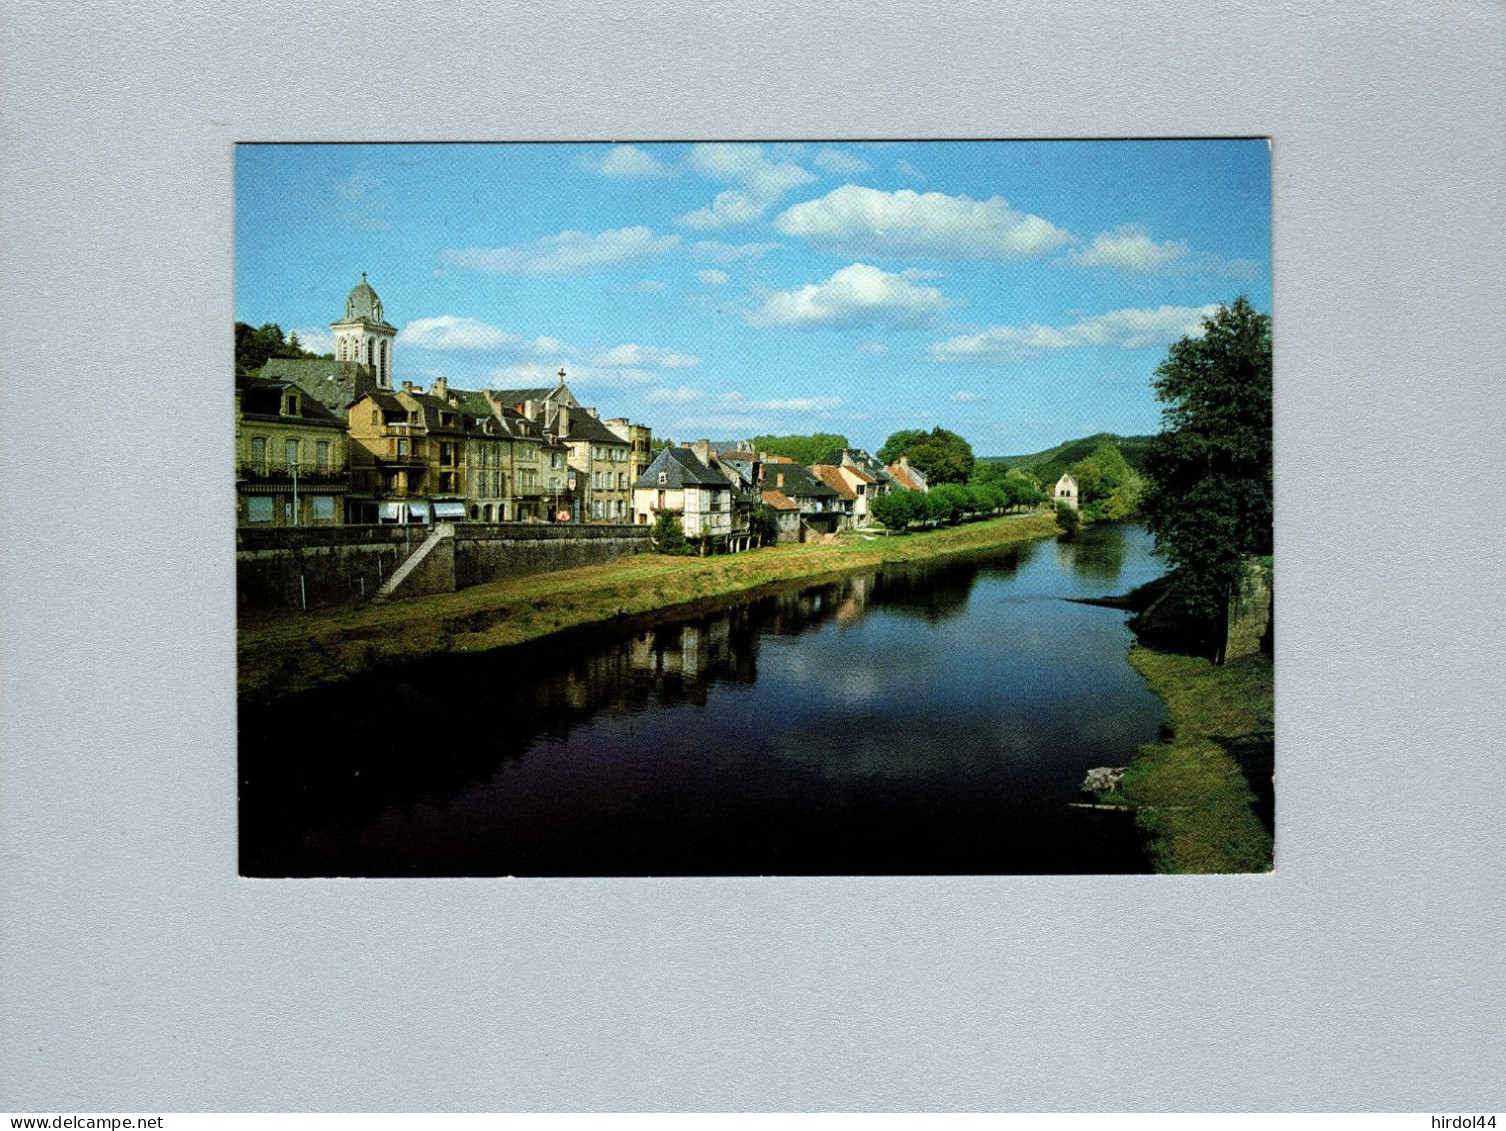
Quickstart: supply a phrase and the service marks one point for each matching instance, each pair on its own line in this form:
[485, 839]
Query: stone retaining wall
[335, 565]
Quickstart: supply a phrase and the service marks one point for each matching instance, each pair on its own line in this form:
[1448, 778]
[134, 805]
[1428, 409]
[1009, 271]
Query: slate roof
[336, 384]
[261, 399]
[584, 426]
[798, 482]
[862, 461]
[681, 469]
[431, 407]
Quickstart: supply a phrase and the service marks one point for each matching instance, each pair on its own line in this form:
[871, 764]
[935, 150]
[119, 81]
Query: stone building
[1065, 491]
[598, 487]
[678, 481]
[290, 457]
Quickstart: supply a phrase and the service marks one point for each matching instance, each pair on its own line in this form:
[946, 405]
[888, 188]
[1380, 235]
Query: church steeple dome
[363, 304]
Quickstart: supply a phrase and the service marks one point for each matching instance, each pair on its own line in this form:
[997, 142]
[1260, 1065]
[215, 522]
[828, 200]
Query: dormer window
[663, 477]
[292, 405]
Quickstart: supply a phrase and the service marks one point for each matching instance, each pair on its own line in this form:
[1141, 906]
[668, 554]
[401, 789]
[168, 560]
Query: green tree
[898, 443]
[1208, 501]
[804, 450]
[763, 525]
[668, 534]
[898, 509]
[254, 345]
[942, 456]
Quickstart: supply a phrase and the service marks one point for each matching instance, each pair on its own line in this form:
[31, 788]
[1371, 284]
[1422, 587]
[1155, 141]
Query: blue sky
[1019, 293]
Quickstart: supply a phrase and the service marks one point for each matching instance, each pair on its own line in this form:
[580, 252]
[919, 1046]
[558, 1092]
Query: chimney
[591, 412]
[779, 475]
[407, 386]
[562, 421]
[702, 450]
[441, 388]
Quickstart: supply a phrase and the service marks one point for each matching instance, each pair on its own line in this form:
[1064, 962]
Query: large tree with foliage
[943, 456]
[255, 344]
[804, 450]
[1209, 497]
[895, 445]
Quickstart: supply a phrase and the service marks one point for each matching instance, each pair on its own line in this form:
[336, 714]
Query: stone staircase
[429, 569]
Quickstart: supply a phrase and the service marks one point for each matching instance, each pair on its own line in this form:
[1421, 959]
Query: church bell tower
[363, 335]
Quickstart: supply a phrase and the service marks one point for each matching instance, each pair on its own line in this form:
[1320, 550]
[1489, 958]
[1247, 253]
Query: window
[376, 416]
[621, 481]
[663, 478]
[321, 455]
[292, 409]
[402, 446]
[259, 508]
[292, 451]
[322, 508]
[259, 463]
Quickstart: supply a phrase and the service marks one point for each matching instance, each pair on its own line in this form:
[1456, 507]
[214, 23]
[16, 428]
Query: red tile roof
[780, 501]
[832, 477]
[903, 476]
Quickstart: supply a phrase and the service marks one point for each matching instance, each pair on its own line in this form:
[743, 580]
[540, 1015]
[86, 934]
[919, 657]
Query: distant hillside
[1064, 454]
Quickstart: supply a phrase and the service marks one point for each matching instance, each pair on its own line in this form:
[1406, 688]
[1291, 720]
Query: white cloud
[873, 348]
[839, 162]
[801, 404]
[566, 253]
[612, 376]
[746, 166]
[315, 339]
[713, 278]
[1130, 249]
[655, 357]
[738, 402]
[965, 396]
[857, 293]
[721, 252]
[684, 394]
[717, 423]
[525, 373]
[360, 200]
[447, 332]
[1128, 329]
[905, 169]
[627, 161]
[729, 207]
[853, 220]
[757, 183]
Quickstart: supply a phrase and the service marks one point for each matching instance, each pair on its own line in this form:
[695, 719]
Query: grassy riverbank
[286, 653]
[1205, 798]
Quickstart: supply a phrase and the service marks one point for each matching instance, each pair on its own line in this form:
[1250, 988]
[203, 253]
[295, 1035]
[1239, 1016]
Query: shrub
[669, 534]
[1067, 518]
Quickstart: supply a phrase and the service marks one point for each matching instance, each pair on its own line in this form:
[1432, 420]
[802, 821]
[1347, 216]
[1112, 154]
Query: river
[918, 720]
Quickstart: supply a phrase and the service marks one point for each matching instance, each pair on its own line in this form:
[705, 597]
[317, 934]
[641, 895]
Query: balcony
[399, 462]
[307, 472]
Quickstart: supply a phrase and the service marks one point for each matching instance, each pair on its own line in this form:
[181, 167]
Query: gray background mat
[138, 972]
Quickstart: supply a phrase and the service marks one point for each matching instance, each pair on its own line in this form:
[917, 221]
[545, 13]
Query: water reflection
[915, 720]
[1099, 558]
